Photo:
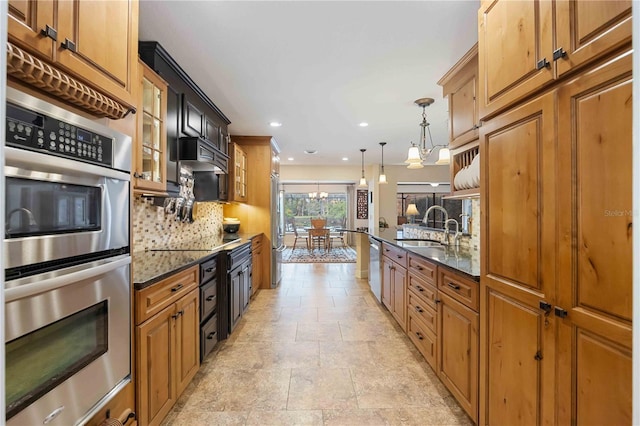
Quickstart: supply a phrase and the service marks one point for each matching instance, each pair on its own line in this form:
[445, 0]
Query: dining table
[319, 236]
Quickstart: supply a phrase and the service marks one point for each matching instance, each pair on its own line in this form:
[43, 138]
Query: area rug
[335, 255]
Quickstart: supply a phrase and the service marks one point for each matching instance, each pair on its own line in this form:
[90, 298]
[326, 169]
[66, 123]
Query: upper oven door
[58, 208]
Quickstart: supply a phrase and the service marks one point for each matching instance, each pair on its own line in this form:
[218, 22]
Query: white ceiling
[320, 68]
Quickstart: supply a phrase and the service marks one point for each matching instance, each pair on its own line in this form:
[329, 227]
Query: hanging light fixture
[383, 178]
[317, 194]
[363, 181]
[419, 153]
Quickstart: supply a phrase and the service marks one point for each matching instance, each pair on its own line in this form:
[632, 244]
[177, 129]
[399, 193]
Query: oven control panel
[39, 132]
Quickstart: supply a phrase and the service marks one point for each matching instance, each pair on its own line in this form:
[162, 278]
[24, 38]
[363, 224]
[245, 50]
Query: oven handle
[59, 165]
[49, 284]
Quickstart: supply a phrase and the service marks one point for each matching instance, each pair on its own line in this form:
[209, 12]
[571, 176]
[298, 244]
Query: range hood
[201, 156]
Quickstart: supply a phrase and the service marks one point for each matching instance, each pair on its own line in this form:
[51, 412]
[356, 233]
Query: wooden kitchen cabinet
[394, 282]
[150, 145]
[168, 342]
[100, 52]
[238, 176]
[458, 340]
[595, 259]
[257, 263]
[460, 87]
[517, 53]
[517, 367]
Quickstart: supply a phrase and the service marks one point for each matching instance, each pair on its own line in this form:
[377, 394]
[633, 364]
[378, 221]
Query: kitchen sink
[420, 243]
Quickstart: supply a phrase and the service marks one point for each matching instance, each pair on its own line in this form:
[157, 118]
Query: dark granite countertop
[154, 265]
[459, 259]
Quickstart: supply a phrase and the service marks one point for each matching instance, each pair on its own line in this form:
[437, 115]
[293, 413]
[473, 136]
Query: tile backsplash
[153, 229]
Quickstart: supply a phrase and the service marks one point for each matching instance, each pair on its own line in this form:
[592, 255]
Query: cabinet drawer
[423, 338]
[208, 299]
[208, 337]
[256, 242]
[423, 269]
[208, 270]
[396, 254]
[151, 300]
[461, 289]
[426, 313]
[423, 290]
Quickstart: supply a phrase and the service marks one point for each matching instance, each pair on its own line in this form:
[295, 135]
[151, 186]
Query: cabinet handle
[210, 298]
[561, 312]
[420, 336]
[420, 289]
[399, 256]
[209, 269]
[546, 307]
[69, 45]
[176, 288]
[538, 356]
[387, 250]
[137, 175]
[210, 335]
[419, 268]
[456, 287]
[437, 301]
[559, 53]
[419, 309]
[543, 63]
[47, 31]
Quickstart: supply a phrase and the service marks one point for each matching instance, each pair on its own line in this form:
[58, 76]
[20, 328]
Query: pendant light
[419, 153]
[383, 178]
[363, 181]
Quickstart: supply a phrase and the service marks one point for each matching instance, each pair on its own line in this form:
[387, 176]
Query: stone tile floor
[318, 350]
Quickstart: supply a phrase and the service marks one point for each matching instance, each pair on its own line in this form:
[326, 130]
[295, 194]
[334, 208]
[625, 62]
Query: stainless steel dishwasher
[374, 267]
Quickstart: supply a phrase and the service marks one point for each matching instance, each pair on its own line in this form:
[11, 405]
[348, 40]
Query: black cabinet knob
[69, 45]
[50, 32]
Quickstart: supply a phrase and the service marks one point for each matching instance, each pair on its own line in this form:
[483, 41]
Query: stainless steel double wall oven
[66, 256]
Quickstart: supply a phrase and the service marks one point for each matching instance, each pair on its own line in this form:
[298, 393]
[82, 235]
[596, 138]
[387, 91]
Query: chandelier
[317, 194]
[419, 153]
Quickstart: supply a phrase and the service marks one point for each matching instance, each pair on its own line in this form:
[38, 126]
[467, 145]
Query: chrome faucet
[456, 238]
[446, 218]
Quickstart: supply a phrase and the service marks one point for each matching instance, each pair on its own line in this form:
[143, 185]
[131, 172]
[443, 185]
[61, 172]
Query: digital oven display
[83, 136]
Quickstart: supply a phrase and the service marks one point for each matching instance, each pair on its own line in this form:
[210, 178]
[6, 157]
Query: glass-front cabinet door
[149, 174]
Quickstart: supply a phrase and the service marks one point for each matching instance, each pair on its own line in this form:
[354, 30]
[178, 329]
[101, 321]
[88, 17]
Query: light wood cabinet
[100, 52]
[595, 246]
[150, 146]
[458, 339]
[168, 342]
[525, 45]
[394, 282]
[518, 265]
[238, 174]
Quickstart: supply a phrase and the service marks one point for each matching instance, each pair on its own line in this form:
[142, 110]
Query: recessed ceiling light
[275, 124]
[310, 151]
[363, 124]
[345, 158]
[290, 158]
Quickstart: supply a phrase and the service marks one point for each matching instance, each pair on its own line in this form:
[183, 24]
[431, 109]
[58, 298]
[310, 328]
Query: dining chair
[336, 236]
[319, 237]
[318, 223]
[301, 237]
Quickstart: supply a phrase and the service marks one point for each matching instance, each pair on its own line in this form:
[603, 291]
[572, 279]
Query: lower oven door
[67, 342]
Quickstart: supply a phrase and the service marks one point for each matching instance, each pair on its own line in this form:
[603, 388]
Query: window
[423, 201]
[299, 209]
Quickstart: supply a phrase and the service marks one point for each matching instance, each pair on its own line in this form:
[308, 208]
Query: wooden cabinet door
[192, 118]
[27, 18]
[595, 260]
[399, 295]
[187, 340]
[514, 37]
[387, 279]
[151, 144]
[236, 299]
[154, 372]
[246, 287]
[102, 51]
[257, 270]
[458, 346]
[224, 140]
[518, 227]
[586, 30]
